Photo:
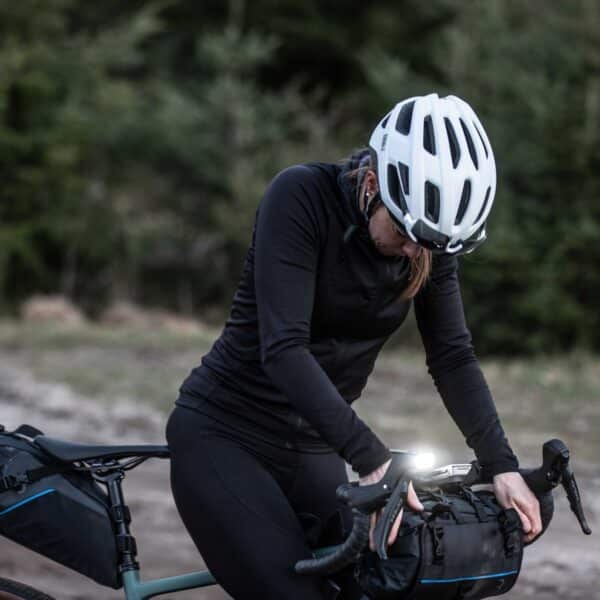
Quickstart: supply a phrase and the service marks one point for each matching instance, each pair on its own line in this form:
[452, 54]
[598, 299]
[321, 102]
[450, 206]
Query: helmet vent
[432, 202]
[470, 144]
[385, 120]
[428, 137]
[464, 202]
[481, 138]
[454, 147]
[404, 118]
[404, 177]
[487, 197]
[394, 188]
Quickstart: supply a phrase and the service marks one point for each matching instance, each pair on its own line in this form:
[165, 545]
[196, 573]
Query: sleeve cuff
[503, 466]
[365, 465]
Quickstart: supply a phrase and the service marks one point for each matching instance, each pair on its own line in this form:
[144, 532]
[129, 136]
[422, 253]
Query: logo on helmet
[383, 142]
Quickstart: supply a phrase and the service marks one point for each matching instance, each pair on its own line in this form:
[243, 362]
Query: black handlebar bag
[462, 546]
[55, 510]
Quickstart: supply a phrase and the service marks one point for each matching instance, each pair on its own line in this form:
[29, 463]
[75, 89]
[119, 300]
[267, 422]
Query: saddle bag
[462, 546]
[55, 510]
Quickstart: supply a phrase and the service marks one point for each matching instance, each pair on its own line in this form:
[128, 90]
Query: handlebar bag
[54, 510]
[462, 546]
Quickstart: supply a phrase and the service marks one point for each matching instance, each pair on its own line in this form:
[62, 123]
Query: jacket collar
[349, 188]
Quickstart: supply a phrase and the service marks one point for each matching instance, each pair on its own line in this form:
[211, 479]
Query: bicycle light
[423, 461]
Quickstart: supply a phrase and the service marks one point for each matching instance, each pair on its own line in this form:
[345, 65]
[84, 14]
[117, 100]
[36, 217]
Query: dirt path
[165, 548]
[566, 565]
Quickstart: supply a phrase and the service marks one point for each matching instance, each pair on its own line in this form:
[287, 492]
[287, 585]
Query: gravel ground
[564, 565]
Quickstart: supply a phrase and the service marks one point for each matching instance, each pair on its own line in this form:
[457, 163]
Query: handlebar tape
[346, 554]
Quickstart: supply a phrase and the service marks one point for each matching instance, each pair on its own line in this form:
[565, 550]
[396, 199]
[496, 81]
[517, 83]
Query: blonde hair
[420, 263]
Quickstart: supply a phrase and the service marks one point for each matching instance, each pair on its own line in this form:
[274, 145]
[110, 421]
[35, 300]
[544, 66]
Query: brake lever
[385, 522]
[394, 480]
[556, 469]
[570, 485]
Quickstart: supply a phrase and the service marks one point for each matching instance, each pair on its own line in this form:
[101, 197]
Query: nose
[410, 248]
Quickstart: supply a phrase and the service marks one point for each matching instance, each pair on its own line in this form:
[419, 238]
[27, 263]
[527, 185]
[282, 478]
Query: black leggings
[253, 509]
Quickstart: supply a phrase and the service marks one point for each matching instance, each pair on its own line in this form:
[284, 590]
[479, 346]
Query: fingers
[412, 499]
[512, 492]
[530, 510]
[525, 522]
[529, 513]
[395, 528]
[393, 532]
[374, 517]
[371, 530]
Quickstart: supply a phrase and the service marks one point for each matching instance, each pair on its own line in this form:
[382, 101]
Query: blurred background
[136, 139]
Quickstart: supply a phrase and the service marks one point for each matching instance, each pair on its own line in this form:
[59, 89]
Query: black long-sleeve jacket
[315, 304]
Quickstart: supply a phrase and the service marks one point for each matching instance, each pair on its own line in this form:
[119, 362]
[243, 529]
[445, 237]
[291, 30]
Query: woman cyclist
[262, 429]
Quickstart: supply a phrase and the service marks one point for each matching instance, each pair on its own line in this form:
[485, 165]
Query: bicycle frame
[134, 587]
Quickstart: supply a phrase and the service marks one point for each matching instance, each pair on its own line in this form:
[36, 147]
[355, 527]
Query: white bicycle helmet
[436, 172]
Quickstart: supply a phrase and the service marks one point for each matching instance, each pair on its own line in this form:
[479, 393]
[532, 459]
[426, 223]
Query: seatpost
[121, 517]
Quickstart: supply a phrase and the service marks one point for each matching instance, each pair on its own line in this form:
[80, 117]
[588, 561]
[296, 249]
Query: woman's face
[381, 227]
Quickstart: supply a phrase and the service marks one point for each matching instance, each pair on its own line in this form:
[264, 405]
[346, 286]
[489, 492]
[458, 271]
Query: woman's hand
[512, 492]
[411, 499]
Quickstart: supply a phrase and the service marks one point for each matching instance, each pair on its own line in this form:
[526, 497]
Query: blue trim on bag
[469, 578]
[7, 510]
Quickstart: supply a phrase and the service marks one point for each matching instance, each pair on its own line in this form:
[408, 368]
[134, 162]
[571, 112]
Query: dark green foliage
[533, 70]
[136, 139]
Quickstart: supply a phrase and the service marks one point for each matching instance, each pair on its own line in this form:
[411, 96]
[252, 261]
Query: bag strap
[476, 503]
[437, 542]
[510, 523]
[446, 507]
[10, 482]
[438, 496]
[487, 501]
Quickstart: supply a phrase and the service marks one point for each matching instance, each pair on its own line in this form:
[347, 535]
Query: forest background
[136, 139]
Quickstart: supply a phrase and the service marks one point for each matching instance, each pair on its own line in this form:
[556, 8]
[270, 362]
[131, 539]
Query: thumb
[412, 499]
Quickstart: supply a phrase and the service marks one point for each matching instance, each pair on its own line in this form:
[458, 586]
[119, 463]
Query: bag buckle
[9, 482]
[476, 503]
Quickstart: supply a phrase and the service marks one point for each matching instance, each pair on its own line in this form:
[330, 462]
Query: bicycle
[108, 464]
